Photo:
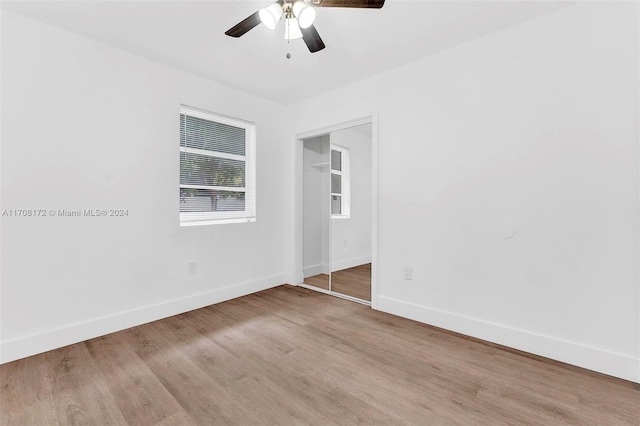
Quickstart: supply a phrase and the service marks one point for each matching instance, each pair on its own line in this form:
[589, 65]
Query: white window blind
[217, 168]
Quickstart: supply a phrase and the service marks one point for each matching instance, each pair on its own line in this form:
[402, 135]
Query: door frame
[370, 118]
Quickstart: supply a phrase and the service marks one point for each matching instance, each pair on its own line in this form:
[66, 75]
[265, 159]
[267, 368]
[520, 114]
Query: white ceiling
[360, 42]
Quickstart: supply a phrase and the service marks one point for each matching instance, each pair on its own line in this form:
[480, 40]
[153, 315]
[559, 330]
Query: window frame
[345, 181]
[249, 158]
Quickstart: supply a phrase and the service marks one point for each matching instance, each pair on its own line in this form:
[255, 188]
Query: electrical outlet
[407, 272]
[193, 268]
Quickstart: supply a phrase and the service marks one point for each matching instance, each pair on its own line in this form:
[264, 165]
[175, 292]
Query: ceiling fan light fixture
[271, 15]
[299, 16]
[292, 29]
[304, 13]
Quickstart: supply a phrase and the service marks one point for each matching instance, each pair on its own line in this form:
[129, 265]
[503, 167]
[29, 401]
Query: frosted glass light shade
[305, 14]
[292, 29]
[271, 15]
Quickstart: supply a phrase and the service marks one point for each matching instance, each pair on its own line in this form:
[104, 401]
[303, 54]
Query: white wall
[316, 226]
[351, 238]
[85, 125]
[532, 129]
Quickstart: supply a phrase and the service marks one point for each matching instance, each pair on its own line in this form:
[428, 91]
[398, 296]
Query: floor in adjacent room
[354, 282]
[320, 281]
[289, 355]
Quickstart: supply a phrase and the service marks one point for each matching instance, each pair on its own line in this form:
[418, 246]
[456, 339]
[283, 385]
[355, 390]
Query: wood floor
[320, 281]
[290, 356]
[355, 282]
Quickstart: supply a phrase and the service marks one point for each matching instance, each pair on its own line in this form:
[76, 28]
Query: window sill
[340, 216]
[205, 222]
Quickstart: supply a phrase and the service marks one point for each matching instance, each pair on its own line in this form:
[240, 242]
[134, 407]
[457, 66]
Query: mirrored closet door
[337, 217]
[316, 265]
[351, 201]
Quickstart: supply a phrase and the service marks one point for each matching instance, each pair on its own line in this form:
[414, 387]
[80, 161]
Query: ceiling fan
[299, 16]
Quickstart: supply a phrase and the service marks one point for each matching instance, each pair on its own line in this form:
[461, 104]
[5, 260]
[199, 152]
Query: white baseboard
[313, 270]
[56, 338]
[611, 363]
[310, 271]
[339, 265]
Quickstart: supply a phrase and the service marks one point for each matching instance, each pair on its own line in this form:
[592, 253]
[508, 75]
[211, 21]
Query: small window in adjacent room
[217, 169]
[340, 188]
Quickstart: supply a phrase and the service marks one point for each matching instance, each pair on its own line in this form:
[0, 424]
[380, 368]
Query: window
[217, 169]
[340, 191]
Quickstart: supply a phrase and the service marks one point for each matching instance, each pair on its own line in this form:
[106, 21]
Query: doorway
[337, 211]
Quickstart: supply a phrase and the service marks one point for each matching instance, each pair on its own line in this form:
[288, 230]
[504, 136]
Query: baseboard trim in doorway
[349, 263]
[316, 270]
[23, 347]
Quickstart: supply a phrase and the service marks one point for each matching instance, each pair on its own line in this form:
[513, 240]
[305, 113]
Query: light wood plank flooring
[294, 356]
[320, 281]
[355, 282]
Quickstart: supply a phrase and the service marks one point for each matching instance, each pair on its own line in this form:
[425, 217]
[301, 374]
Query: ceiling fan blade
[372, 4]
[312, 39]
[244, 26]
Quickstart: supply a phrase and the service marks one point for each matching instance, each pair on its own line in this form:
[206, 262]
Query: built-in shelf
[320, 165]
